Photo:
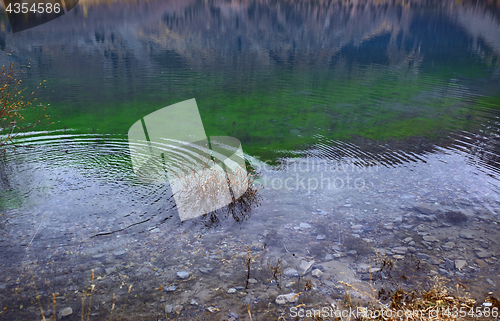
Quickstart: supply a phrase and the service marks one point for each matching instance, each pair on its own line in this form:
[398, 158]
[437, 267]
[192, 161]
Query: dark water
[373, 128]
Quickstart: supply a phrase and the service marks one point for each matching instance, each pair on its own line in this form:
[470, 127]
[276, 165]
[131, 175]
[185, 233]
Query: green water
[394, 86]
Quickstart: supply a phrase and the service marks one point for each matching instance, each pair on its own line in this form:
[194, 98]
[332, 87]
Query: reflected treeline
[104, 51]
[199, 33]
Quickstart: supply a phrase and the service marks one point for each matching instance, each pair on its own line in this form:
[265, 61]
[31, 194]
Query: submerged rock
[291, 272]
[183, 275]
[424, 208]
[460, 264]
[65, 312]
[305, 266]
[317, 273]
[466, 235]
[483, 254]
[285, 298]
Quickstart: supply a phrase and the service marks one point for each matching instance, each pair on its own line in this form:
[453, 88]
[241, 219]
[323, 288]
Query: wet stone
[424, 208]
[231, 290]
[305, 266]
[336, 248]
[400, 250]
[407, 240]
[321, 237]
[483, 254]
[317, 273]
[110, 270]
[205, 270]
[183, 275]
[171, 288]
[119, 252]
[443, 271]
[484, 244]
[328, 257]
[481, 263]
[448, 245]
[429, 238]
[193, 302]
[285, 298]
[169, 308]
[449, 264]
[252, 281]
[305, 225]
[427, 218]
[363, 268]
[65, 312]
[460, 264]
[466, 235]
[422, 256]
[291, 272]
[455, 217]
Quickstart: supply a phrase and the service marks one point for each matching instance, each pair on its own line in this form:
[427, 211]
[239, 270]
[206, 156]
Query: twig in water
[248, 310]
[91, 291]
[83, 303]
[112, 306]
[123, 311]
[37, 296]
[54, 306]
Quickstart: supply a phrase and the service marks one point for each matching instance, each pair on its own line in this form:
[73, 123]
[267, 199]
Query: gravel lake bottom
[111, 247]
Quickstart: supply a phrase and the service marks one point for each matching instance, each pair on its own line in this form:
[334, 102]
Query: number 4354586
[35, 8]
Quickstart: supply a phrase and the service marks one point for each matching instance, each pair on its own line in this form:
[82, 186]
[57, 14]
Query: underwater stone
[459, 264]
[305, 225]
[284, 298]
[317, 273]
[65, 312]
[429, 238]
[305, 266]
[424, 208]
[483, 254]
[183, 274]
[466, 235]
[290, 272]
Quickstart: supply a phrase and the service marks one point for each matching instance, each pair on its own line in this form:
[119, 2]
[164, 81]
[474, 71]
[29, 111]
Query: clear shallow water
[396, 106]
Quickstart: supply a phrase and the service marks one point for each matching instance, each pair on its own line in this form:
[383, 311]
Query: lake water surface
[372, 127]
